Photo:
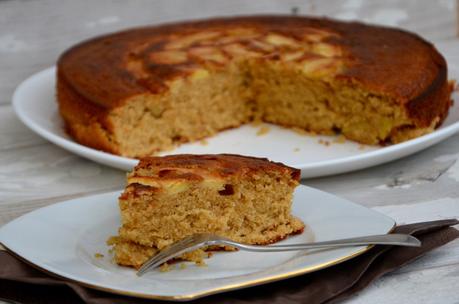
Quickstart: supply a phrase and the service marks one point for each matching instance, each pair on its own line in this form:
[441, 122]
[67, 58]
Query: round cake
[145, 90]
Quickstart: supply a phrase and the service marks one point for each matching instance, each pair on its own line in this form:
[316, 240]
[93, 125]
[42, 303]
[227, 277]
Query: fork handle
[384, 239]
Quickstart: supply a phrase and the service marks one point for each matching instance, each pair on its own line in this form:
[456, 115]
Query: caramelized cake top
[168, 171]
[110, 69]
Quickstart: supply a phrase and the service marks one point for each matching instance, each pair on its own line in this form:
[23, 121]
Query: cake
[141, 91]
[167, 198]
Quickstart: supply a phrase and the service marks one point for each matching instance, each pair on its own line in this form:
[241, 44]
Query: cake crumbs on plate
[113, 240]
[263, 130]
[98, 255]
[256, 122]
[166, 267]
[454, 85]
[340, 139]
[361, 147]
[201, 263]
[296, 150]
[324, 142]
[183, 266]
[203, 142]
[304, 132]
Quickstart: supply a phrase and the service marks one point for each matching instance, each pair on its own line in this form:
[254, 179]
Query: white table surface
[35, 173]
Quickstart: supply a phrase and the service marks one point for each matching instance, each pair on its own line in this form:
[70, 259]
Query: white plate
[64, 238]
[34, 103]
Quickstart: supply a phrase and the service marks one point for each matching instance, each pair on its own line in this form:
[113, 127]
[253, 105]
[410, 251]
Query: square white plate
[63, 239]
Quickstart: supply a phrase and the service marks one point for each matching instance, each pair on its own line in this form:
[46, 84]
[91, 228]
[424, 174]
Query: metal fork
[196, 241]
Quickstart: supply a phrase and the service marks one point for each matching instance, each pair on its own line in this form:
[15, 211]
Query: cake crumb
[183, 266]
[340, 139]
[203, 142]
[166, 267]
[296, 150]
[300, 131]
[113, 240]
[324, 142]
[454, 85]
[256, 122]
[201, 263]
[263, 130]
[361, 147]
[98, 255]
[304, 132]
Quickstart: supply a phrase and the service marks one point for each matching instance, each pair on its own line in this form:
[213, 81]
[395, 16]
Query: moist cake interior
[194, 108]
[213, 100]
[236, 76]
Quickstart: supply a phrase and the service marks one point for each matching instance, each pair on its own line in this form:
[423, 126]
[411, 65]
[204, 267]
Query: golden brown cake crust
[219, 165]
[103, 73]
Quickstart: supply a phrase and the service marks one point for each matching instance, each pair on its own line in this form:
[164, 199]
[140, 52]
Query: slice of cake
[167, 198]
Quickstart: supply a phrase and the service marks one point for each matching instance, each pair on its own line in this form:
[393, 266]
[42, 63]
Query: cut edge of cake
[167, 198]
[231, 78]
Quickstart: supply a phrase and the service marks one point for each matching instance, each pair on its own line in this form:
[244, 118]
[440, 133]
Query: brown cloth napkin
[25, 284]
